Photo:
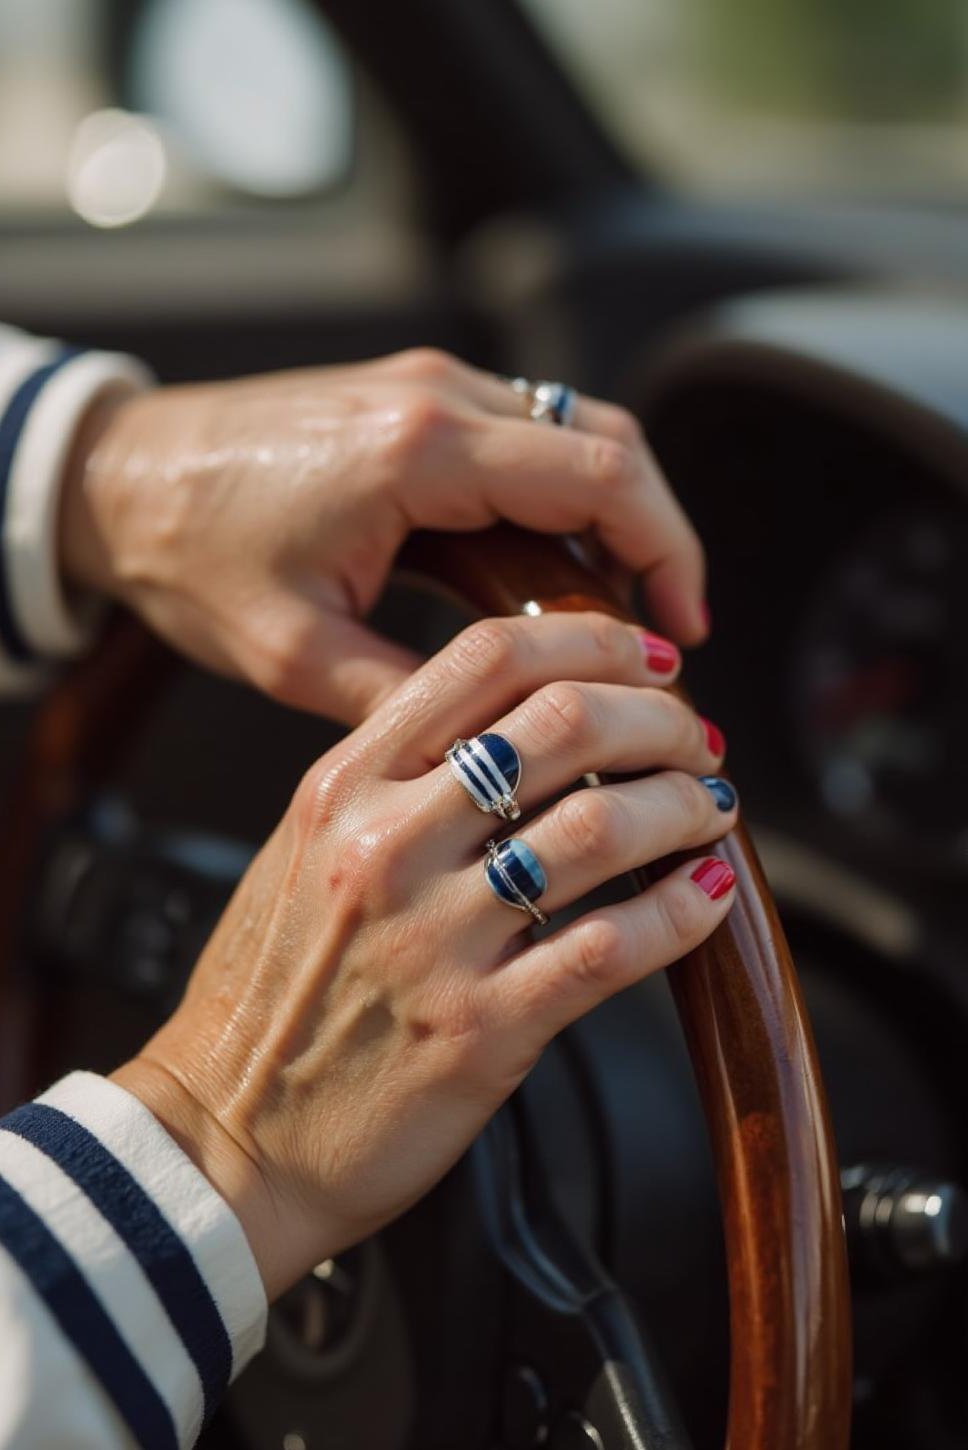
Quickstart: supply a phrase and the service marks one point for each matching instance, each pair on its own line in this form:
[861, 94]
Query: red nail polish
[715, 738]
[661, 655]
[714, 877]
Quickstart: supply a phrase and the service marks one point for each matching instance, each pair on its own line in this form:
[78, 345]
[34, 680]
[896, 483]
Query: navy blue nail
[721, 791]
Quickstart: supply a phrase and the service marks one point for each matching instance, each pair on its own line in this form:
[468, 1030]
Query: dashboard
[838, 551]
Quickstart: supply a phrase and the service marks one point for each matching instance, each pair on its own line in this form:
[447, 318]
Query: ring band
[516, 877]
[549, 402]
[489, 769]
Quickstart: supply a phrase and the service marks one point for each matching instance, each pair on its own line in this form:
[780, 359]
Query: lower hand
[367, 1002]
[254, 523]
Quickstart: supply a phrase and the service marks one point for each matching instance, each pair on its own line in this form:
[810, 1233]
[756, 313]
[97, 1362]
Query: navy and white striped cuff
[141, 1263]
[45, 391]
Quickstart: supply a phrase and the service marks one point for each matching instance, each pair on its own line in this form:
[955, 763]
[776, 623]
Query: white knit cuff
[50, 623]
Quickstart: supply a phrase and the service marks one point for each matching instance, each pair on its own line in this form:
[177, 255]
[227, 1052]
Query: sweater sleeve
[45, 391]
[129, 1297]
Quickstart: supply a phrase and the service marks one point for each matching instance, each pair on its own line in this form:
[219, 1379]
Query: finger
[491, 393]
[557, 980]
[561, 480]
[675, 582]
[493, 665]
[594, 835]
[569, 729]
[330, 664]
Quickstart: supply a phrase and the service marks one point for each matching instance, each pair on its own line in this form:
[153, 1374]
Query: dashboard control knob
[900, 1222]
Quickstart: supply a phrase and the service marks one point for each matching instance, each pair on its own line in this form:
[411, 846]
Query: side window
[778, 96]
[180, 160]
[116, 112]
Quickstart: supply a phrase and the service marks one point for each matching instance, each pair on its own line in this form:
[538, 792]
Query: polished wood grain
[737, 996]
[756, 1064]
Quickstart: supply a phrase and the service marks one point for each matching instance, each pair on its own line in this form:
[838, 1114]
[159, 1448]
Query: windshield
[778, 96]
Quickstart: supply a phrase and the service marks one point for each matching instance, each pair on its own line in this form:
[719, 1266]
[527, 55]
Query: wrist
[231, 1167]
[85, 548]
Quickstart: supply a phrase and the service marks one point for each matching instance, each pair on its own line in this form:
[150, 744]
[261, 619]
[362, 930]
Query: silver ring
[550, 402]
[516, 877]
[489, 769]
[553, 403]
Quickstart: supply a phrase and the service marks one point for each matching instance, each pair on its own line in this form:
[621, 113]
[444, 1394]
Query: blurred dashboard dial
[879, 684]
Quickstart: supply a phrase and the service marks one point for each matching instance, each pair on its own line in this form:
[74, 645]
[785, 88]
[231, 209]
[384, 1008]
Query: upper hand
[253, 523]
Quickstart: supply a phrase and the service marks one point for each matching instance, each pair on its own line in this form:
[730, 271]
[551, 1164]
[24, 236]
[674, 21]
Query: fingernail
[661, 655]
[714, 877]
[721, 791]
[715, 738]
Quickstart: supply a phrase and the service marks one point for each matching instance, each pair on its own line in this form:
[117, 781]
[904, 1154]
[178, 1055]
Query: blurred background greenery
[779, 96]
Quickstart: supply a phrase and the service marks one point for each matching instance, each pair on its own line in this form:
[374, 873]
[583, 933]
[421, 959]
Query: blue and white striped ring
[548, 402]
[516, 876]
[489, 769]
[554, 403]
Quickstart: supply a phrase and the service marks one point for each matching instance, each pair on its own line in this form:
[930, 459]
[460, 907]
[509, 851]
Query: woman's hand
[253, 523]
[367, 1002]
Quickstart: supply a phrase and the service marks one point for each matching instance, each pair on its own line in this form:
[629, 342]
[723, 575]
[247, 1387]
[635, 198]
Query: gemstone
[515, 871]
[504, 756]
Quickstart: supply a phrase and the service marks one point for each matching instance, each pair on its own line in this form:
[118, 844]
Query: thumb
[345, 670]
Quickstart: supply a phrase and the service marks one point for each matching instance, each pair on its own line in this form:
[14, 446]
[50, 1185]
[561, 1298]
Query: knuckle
[612, 464]
[431, 363]
[612, 641]
[489, 648]
[592, 824]
[681, 915]
[600, 953]
[691, 801]
[283, 654]
[566, 715]
[374, 868]
[324, 794]
[675, 724]
[623, 425]
[424, 420]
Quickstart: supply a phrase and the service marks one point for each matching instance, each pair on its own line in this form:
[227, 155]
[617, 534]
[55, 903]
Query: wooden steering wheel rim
[755, 1061]
[737, 996]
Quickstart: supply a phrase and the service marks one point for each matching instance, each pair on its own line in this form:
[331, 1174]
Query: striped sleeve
[45, 390]
[125, 1279]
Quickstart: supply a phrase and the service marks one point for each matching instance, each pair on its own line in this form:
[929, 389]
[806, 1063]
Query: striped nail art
[714, 877]
[661, 655]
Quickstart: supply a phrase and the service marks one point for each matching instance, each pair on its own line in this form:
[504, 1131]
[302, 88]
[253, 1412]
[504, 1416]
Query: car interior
[780, 293]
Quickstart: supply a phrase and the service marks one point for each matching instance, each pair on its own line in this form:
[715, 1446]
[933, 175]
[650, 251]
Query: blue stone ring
[489, 769]
[516, 876]
[547, 402]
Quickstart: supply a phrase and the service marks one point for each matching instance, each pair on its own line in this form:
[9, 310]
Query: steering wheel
[737, 997]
